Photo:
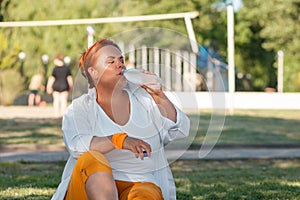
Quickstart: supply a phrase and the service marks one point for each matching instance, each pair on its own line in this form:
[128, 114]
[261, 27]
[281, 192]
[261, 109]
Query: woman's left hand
[165, 106]
[157, 94]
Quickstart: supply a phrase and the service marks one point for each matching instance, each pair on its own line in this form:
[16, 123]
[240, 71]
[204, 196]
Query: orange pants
[92, 162]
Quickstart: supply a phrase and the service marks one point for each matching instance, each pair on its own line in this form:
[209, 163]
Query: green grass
[30, 131]
[239, 179]
[204, 179]
[246, 126]
[29, 180]
[254, 127]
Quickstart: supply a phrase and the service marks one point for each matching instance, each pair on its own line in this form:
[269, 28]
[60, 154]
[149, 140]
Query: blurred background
[262, 29]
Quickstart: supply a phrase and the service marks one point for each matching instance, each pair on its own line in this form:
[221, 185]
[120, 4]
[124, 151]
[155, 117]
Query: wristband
[118, 140]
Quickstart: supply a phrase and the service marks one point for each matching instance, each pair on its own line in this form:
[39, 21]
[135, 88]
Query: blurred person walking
[60, 83]
[34, 98]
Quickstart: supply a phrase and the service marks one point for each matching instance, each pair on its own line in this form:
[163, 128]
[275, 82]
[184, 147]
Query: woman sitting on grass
[115, 134]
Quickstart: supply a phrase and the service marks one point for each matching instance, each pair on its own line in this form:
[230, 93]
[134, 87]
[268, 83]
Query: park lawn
[30, 132]
[238, 179]
[246, 126]
[202, 179]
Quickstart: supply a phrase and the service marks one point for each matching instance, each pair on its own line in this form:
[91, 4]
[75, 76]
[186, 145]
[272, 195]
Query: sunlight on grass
[26, 193]
[30, 131]
[237, 179]
[286, 164]
[284, 114]
[295, 183]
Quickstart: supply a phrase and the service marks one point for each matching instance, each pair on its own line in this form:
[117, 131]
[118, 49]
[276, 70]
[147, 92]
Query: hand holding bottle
[142, 77]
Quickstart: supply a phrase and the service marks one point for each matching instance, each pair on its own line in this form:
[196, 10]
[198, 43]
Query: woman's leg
[138, 191]
[92, 179]
[56, 103]
[101, 185]
[63, 101]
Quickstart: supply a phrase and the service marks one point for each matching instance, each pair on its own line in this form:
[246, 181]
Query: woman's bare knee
[101, 185]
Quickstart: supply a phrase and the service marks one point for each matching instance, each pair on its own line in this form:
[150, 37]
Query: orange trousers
[92, 162]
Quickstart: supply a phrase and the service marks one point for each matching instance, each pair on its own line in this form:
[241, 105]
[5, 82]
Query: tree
[257, 38]
[266, 27]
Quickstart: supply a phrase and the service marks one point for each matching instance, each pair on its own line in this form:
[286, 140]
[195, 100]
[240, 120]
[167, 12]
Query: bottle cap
[123, 71]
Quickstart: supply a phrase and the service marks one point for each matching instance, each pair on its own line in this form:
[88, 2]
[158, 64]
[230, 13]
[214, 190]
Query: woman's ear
[93, 73]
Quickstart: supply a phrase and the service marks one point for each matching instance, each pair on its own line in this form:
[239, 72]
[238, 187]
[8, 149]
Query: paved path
[34, 112]
[58, 153]
[215, 154]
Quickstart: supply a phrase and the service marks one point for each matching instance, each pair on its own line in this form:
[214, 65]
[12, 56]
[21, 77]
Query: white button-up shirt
[85, 119]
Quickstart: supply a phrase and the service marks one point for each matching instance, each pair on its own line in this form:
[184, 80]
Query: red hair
[88, 58]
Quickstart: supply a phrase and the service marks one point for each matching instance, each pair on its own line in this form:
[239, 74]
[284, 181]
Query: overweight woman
[115, 134]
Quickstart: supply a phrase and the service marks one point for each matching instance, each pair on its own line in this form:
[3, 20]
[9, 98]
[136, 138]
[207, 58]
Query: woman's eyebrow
[113, 57]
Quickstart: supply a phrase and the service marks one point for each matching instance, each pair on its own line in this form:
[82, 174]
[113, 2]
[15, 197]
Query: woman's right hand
[137, 146]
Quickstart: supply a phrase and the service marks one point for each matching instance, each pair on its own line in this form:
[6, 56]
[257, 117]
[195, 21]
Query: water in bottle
[138, 77]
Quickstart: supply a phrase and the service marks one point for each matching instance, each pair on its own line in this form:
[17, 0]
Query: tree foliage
[261, 29]
[270, 26]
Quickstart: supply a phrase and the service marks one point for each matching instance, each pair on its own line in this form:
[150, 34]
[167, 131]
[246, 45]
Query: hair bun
[59, 57]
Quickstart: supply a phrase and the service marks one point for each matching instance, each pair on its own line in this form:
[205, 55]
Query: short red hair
[88, 58]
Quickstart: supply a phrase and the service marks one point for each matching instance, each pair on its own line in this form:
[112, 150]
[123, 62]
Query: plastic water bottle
[138, 77]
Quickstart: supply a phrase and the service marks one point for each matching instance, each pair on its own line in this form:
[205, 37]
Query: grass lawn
[254, 126]
[250, 126]
[204, 179]
[237, 179]
[30, 132]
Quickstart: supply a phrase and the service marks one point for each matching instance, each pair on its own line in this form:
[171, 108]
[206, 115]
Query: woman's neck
[116, 105]
[106, 94]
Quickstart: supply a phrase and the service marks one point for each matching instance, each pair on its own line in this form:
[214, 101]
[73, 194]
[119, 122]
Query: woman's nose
[120, 64]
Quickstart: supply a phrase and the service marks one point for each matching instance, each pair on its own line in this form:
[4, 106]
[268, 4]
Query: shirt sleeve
[54, 72]
[77, 129]
[175, 130]
[68, 71]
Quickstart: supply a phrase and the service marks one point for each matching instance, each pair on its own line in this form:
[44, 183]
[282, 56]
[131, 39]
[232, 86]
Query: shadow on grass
[19, 124]
[238, 179]
[30, 131]
[238, 129]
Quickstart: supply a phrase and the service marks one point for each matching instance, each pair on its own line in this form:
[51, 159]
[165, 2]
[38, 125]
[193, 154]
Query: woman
[59, 85]
[115, 134]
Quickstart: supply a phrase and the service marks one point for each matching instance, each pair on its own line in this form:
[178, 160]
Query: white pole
[91, 31]
[90, 40]
[178, 70]
[144, 57]
[186, 72]
[193, 14]
[191, 33]
[167, 69]
[230, 43]
[280, 71]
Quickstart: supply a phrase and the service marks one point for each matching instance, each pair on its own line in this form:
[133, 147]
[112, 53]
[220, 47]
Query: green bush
[11, 86]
